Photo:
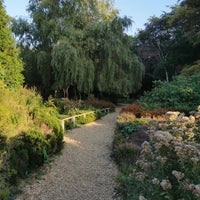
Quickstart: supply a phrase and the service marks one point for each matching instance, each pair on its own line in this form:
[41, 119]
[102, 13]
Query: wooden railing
[73, 118]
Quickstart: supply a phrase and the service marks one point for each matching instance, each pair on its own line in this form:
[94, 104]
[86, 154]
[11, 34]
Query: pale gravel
[84, 171]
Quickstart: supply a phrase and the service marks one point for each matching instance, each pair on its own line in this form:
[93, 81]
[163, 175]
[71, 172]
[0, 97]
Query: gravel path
[84, 171]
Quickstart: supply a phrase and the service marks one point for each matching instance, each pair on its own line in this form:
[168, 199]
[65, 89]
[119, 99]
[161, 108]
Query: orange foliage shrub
[138, 111]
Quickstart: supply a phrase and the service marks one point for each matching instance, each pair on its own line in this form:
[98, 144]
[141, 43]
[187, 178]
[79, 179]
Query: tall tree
[117, 69]
[186, 16]
[169, 42]
[79, 45]
[10, 64]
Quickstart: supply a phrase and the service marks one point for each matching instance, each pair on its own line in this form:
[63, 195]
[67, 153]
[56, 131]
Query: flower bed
[168, 165]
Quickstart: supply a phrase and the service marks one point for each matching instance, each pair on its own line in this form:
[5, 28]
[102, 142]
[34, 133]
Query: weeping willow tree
[71, 67]
[79, 44]
[117, 68]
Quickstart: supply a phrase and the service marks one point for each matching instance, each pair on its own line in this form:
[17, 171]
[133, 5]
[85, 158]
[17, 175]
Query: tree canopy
[174, 39]
[78, 45]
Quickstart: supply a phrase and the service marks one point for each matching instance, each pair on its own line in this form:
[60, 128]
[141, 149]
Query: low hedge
[84, 120]
[26, 152]
[30, 150]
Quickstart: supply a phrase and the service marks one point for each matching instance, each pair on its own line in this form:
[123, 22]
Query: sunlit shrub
[139, 112]
[125, 118]
[30, 132]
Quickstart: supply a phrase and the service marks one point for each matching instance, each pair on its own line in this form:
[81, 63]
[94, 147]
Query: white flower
[165, 184]
[197, 190]
[161, 159]
[146, 147]
[195, 160]
[178, 174]
[141, 197]
[155, 181]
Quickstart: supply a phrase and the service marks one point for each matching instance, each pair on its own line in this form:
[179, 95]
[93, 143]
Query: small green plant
[129, 129]
[196, 137]
[4, 191]
[119, 139]
[125, 154]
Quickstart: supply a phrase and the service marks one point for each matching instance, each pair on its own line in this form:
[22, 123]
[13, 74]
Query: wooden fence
[73, 118]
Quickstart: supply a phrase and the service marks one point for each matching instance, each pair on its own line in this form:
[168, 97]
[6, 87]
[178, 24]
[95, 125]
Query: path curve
[84, 171]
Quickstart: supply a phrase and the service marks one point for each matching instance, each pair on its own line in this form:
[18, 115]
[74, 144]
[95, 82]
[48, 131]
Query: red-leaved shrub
[138, 111]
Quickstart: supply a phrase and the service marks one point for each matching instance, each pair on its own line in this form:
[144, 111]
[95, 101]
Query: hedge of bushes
[68, 108]
[69, 124]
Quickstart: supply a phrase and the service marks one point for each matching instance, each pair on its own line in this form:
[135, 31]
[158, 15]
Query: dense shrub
[4, 176]
[191, 69]
[125, 154]
[100, 104]
[30, 132]
[69, 124]
[70, 107]
[181, 94]
[27, 151]
[137, 110]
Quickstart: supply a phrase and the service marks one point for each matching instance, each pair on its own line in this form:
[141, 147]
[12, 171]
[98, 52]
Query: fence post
[63, 124]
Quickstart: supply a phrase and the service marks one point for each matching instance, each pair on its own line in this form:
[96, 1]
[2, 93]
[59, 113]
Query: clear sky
[138, 10]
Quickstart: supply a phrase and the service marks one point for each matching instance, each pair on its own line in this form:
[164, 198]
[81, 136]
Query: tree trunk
[66, 92]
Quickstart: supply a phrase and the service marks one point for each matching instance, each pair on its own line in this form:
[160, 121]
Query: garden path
[84, 171]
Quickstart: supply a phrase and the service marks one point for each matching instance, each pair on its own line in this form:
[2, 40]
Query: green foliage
[30, 133]
[26, 152]
[119, 139]
[4, 185]
[180, 94]
[187, 11]
[84, 47]
[30, 150]
[125, 154]
[4, 191]
[170, 42]
[87, 119]
[84, 119]
[129, 129]
[191, 69]
[196, 137]
[10, 64]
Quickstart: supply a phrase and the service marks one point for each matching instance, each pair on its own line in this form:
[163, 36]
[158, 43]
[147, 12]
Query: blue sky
[138, 10]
